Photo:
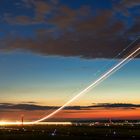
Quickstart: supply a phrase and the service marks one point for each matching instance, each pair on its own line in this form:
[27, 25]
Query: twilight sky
[52, 49]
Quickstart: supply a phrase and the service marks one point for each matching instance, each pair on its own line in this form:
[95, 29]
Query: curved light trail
[92, 85]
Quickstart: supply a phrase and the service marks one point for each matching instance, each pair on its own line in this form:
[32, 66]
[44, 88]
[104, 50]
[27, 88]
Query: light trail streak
[92, 85]
[95, 83]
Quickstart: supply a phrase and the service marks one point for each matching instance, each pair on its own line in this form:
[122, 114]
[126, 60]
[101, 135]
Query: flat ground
[43, 132]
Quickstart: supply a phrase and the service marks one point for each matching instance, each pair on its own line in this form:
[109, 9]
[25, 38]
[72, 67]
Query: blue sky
[52, 49]
[27, 77]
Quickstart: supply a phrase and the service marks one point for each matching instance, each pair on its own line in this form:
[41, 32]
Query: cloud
[65, 18]
[31, 106]
[38, 12]
[95, 23]
[117, 105]
[21, 20]
[66, 31]
[135, 29]
[94, 45]
[24, 106]
[130, 4]
[30, 102]
[125, 6]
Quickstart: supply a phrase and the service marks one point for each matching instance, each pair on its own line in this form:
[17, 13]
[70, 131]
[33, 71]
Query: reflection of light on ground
[2, 123]
[9, 123]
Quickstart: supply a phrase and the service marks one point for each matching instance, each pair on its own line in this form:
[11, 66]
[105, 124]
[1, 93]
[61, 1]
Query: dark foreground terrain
[44, 132]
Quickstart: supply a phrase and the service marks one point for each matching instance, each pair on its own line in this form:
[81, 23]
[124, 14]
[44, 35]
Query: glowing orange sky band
[92, 85]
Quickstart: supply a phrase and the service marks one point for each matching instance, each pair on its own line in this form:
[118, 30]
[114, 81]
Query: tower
[22, 119]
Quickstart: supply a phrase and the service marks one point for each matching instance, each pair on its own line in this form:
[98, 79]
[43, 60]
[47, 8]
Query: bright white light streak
[92, 85]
